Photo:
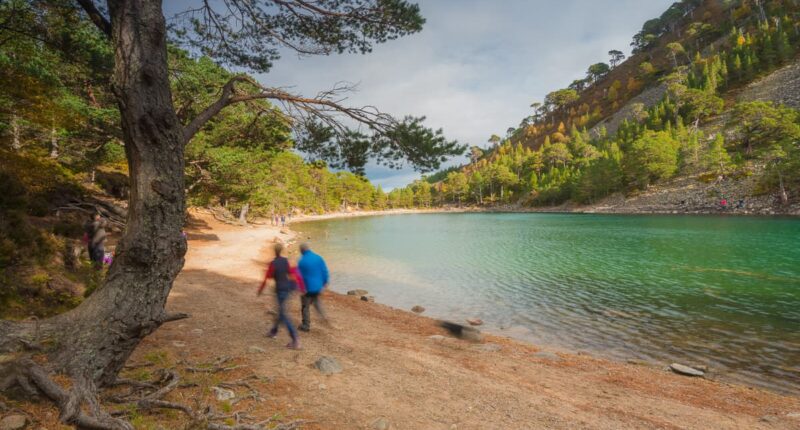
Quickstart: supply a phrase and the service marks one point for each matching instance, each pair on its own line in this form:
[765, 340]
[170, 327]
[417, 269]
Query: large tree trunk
[91, 343]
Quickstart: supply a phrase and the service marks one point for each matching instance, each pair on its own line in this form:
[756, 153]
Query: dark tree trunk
[91, 343]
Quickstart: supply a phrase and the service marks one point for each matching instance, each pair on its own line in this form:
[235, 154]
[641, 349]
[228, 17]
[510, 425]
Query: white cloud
[477, 65]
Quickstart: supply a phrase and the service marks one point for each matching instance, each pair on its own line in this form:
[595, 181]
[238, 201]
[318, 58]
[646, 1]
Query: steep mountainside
[710, 93]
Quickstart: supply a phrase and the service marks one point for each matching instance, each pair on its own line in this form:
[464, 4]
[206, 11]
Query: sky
[476, 66]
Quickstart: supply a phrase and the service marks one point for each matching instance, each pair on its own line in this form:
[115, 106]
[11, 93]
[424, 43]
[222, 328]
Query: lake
[718, 291]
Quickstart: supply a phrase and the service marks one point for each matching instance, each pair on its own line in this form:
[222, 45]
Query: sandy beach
[400, 369]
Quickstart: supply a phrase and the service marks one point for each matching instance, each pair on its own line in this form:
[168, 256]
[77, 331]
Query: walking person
[287, 279]
[95, 238]
[283, 220]
[315, 275]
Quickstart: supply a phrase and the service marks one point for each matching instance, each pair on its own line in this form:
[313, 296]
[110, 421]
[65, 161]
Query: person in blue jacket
[315, 276]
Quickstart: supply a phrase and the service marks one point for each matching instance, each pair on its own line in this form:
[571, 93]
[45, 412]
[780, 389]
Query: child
[287, 279]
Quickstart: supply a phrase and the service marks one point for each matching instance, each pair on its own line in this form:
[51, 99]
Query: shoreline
[401, 367]
[519, 333]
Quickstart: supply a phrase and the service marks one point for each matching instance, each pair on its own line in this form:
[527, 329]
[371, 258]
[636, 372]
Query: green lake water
[719, 291]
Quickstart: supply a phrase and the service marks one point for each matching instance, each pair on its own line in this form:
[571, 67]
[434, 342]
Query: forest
[563, 152]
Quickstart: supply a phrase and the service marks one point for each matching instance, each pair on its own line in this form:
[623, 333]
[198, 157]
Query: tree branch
[97, 18]
[323, 106]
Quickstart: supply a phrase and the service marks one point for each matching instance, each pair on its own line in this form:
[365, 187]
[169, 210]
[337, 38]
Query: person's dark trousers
[96, 254]
[307, 300]
[283, 296]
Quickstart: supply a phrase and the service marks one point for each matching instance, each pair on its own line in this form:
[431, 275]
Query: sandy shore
[399, 369]
[394, 370]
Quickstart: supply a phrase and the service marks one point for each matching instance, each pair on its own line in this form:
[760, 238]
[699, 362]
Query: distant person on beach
[315, 274]
[283, 220]
[95, 238]
[287, 279]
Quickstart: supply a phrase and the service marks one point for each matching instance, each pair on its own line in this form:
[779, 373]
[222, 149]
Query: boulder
[328, 365]
[368, 298]
[14, 422]
[223, 394]
[462, 331]
[418, 309]
[474, 321]
[685, 370]
[357, 293]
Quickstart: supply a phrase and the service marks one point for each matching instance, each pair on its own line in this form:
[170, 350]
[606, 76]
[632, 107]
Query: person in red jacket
[287, 279]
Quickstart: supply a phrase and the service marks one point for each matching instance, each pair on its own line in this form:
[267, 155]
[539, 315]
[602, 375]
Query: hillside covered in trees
[670, 110]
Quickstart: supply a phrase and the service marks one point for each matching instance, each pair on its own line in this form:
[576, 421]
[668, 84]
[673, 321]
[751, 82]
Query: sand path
[394, 370]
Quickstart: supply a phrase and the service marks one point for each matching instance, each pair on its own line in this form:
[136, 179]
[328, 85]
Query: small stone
[418, 309]
[437, 338]
[357, 293]
[368, 298]
[256, 350]
[323, 387]
[793, 415]
[768, 419]
[223, 394]
[14, 422]
[328, 365]
[475, 321]
[381, 424]
[179, 344]
[547, 355]
[197, 331]
[637, 362]
[685, 370]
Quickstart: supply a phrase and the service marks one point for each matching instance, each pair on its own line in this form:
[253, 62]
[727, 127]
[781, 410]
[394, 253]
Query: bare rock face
[781, 86]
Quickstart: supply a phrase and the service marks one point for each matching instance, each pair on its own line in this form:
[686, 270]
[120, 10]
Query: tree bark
[243, 214]
[16, 144]
[53, 143]
[92, 342]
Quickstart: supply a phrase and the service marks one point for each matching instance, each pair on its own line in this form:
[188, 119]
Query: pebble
[14, 422]
[381, 424]
[418, 309]
[223, 394]
[793, 415]
[256, 350]
[179, 344]
[475, 321]
[368, 298]
[685, 370]
[357, 292]
[547, 355]
[328, 365]
[437, 338]
[197, 331]
[323, 387]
